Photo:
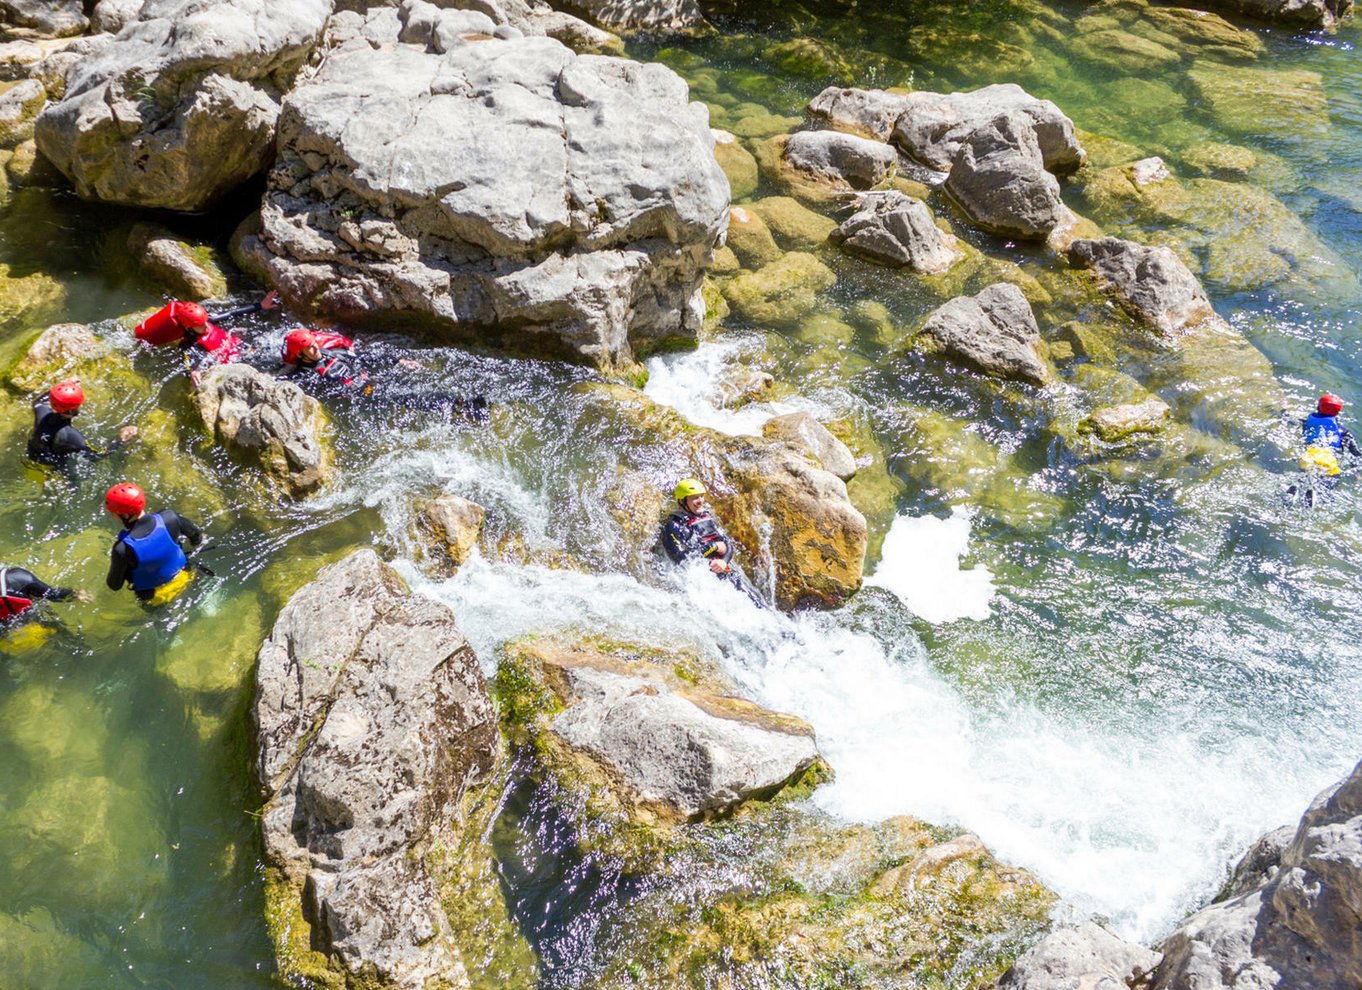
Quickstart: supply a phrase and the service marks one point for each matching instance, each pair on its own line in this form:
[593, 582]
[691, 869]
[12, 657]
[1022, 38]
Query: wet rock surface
[894, 228]
[373, 726]
[999, 180]
[1116, 423]
[842, 158]
[1151, 283]
[994, 331]
[450, 525]
[180, 108]
[804, 433]
[271, 422]
[575, 220]
[1084, 958]
[631, 15]
[174, 266]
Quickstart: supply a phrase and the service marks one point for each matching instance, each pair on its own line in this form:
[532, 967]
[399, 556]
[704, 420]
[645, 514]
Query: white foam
[921, 564]
[686, 381]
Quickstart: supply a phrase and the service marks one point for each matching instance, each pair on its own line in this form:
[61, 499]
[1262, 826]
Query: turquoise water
[1169, 665]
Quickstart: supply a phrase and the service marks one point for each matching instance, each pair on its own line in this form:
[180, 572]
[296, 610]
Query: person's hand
[271, 300]
[84, 596]
[127, 433]
[719, 566]
[410, 364]
[721, 549]
[195, 377]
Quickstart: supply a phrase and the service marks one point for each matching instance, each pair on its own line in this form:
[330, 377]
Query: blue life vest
[159, 557]
[1322, 431]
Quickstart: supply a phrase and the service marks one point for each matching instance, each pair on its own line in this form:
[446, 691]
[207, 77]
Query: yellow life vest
[171, 590]
[28, 636]
[1320, 460]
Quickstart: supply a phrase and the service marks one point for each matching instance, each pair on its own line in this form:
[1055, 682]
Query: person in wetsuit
[328, 365]
[202, 341]
[20, 591]
[148, 553]
[55, 440]
[1324, 441]
[692, 531]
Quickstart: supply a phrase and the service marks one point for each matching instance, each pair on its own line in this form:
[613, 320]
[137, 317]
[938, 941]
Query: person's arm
[122, 560]
[70, 440]
[1349, 443]
[271, 301]
[24, 583]
[181, 528]
[676, 541]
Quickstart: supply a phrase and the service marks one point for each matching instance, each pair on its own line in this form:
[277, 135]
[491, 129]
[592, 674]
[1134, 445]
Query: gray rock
[180, 107]
[372, 722]
[44, 18]
[169, 263]
[1116, 423]
[19, 105]
[843, 158]
[111, 16]
[1084, 958]
[995, 331]
[871, 113]
[933, 127]
[272, 422]
[1297, 930]
[1260, 864]
[893, 228]
[1296, 13]
[1151, 283]
[450, 525]
[633, 15]
[801, 431]
[1000, 182]
[574, 217]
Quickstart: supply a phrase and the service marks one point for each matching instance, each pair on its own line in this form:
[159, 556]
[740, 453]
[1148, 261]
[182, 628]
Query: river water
[1118, 679]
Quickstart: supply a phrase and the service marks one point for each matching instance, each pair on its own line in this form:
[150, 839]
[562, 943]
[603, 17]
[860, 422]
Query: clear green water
[1170, 666]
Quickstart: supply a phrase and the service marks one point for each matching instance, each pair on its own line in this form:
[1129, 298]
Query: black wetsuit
[199, 358]
[122, 558]
[343, 375]
[55, 440]
[19, 583]
[688, 535]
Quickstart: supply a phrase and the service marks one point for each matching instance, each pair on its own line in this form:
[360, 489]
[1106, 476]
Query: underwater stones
[1323, 14]
[271, 422]
[19, 106]
[801, 431]
[896, 229]
[870, 113]
[1000, 182]
[782, 293]
[373, 725]
[844, 159]
[672, 750]
[53, 355]
[575, 219]
[449, 526]
[1088, 957]
[180, 107]
[1208, 33]
[1124, 52]
[635, 15]
[738, 164]
[43, 18]
[1219, 161]
[995, 331]
[183, 271]
[1151, 283]
[794, 225]
[1112, 424]
[750, 238]
[1268, 102]
[1299, 927]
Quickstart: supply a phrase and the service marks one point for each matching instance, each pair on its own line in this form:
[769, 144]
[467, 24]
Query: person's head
[301, 347]
[66, 398]
[192, 319]
[1330, 404]
[126, 501]
[690, 494]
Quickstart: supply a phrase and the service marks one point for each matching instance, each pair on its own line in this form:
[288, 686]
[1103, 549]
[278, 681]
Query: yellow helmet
[687, 487]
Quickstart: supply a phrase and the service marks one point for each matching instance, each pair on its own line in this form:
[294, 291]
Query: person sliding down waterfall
[328, 365]
[202, 342]
[55, 440]
[147, 553]
[692, 532]
[1324, 441]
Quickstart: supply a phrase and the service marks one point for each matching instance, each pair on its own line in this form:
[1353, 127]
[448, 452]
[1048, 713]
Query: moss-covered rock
[171, 265]
[29, 300]
[750, 238]
[1114, 424]
[1125, 52]
[737, 163]
[27, 166]
[1219, 161]
[781, 293]
[1282, 104]
[63, 350]
[19, 106]
[795, 226]
[1206, 33]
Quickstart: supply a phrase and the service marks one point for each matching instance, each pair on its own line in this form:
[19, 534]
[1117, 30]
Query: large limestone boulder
[1084, 958]
[268, 421]
[839, 158]
[1151, 283]
[994, 331]
[801, 431]
[43, 18]
[1299, 928]
[573, 216]
[181, 106]
[794, 521]
[183, 270]
[894, 228]
[374, 731]
[999, 180]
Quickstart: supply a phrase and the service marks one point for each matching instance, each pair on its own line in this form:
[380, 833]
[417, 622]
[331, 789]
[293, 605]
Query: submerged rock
[1274, 103]
[1209, 33]
[750, 238]
[574, 218]
[781, 293]
[795, 226]
[896, 229]
[449, 526]
[1084, 958]
[271, 422]
[738, 164]
[1113, 424]
[994, 331]
[180, 107]
[374, 731]
[801, 431]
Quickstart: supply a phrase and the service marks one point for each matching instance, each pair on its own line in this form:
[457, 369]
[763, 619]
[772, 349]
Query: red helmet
[66, 396]
[190, 314]
[295, 342]
[125, 499]
[1330, 404]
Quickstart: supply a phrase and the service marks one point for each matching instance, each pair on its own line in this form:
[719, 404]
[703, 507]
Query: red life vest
[224, 346]
[162, 327]
[11, 605]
